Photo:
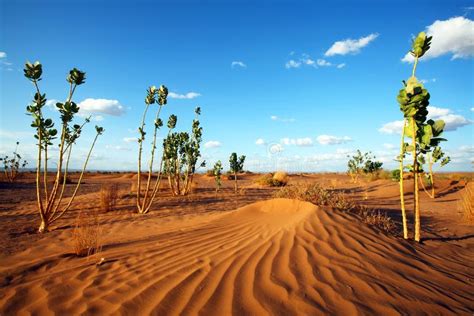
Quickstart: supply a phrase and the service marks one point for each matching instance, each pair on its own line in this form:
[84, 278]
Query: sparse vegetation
[437, 155]
[217, 172]
[363, 163]
[158, 96]
[425, 134]
[49, 201]
[108, 197]
[277, 179]
[317, 195]
[181, 152]
[87, 234]
[11, 166]
[236, 166]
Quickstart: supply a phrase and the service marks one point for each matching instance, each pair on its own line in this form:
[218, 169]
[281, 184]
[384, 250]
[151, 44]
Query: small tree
[437, 155]
[181, 152]
[158, 96]
[11, 166]
[217, 171]
[362, 164]
[236, 166]
[425, 135]
[49, 201]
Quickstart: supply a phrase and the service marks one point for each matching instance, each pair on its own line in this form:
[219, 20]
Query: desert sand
[245, 254]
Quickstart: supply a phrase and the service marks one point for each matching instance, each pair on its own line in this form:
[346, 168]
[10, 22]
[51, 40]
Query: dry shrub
[466, 202]
[87, 233]
[378, 219]
[108, 197]
[278, 179]
[317, 195]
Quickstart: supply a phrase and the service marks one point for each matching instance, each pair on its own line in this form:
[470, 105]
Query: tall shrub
[49, 199]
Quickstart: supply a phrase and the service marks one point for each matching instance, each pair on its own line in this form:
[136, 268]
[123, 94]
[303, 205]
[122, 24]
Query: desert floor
[244, 254]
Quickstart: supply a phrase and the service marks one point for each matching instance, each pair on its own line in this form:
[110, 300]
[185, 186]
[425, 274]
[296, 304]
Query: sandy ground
[244, 254]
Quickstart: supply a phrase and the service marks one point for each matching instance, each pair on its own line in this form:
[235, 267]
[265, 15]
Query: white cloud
[350, 46]
[238, 64]
[323, 63]
[15, 135]
[453, 121]
[292, 64]
[302, 142]
[51, 103]
[117, 147]
[188, 96]
[472, 109]
[467, 149]
[341, 66]
[105, 106]
[213, 144]
[280, 119]
[332, 140]
[3, 55]
[130, 139]
[260, 142]
[454, 36]
[394, 127]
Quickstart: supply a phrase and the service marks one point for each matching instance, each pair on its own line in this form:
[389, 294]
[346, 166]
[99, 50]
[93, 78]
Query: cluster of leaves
[181, 152]
[49, 201]
[362, 163]
[217, 173]
[11, 166]
[236, 166]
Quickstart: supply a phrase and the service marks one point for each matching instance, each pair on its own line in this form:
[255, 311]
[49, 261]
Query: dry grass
[87, 234]
[108, 197]
[466, 202]
[278, 179]
[317, 195]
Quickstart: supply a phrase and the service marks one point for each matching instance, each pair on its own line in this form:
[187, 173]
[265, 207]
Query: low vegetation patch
[317, 195]
[87, 234]
[108, 197]
[277, 179]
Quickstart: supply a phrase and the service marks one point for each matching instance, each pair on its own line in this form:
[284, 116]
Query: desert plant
[158, 96]
[437, 155]
[181, 152]
[49, 202]
[278, 179]
[413, 99]
[87, 234]
[217, 171]
[11, 166]
[108, 197]
[363, 163]
[395, 175]
[236, 166]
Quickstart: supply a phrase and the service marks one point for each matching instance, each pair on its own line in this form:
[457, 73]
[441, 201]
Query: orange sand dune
[276, 257]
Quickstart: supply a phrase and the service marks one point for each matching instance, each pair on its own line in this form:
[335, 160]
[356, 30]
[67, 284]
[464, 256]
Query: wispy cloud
[307, 60]
[292, 64]
[130, 139]
[3, 55]
[350, 46]
[332, 140]
[424, 81]
[238, 63]
[339, 66]
[281, 119]
[453, 36]
[188, 96]
[301, 142]
[213, 144]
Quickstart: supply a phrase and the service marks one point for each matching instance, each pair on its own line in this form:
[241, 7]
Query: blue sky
[293, 85]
